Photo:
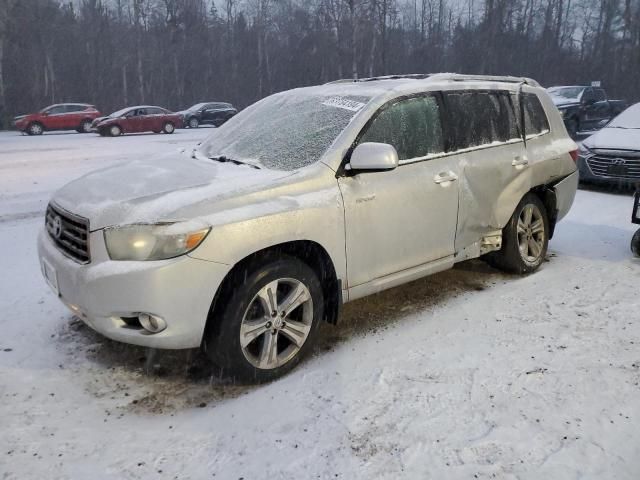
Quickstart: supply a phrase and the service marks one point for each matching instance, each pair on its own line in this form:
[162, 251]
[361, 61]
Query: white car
[306, 200]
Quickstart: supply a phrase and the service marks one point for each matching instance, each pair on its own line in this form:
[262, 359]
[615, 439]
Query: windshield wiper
[224, 158]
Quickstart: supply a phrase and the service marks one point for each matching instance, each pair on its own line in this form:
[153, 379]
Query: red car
[142, 118]
[63, 116]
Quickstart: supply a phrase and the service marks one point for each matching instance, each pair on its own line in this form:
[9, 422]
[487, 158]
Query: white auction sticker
[341, 102]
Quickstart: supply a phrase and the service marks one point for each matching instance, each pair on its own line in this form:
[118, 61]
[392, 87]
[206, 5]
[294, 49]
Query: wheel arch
[310, 252]
[548, 197]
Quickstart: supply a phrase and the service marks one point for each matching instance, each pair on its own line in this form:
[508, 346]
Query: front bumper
[104, 293]
[635, 215]
[587, 176]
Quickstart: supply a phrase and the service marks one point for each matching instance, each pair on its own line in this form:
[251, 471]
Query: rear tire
[85, 126]
[525, 238]
[35, 128]
[254, 336]
[168, 128]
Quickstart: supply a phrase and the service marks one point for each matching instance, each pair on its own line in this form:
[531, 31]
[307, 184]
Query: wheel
[524, 239]
[35, 128]
[193, 122]
[269, 323]
[168, 127]
[572, 127]
[635, 243]
[85, 126]
[115, 131]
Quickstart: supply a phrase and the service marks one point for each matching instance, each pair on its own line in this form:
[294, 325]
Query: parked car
[612, 155]
[211, 113]
[308, 199]
[63, 116]
[635, 218]
[585, 108]
[142, 118]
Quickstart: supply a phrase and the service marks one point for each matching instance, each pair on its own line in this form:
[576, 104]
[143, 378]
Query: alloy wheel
[193, 123]
[277, 323]
[531, 234]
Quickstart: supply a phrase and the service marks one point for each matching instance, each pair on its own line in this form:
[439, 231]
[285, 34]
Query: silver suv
[308, 199]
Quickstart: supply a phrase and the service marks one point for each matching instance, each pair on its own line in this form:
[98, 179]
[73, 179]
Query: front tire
[168, 128]
[85, 126]
[35, 128]
[572, 127]
[193, 122]
[115, 131]
[525, 238]
[269, 323]
[635, 243]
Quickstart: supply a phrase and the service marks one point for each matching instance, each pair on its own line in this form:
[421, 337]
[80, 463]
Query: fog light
[152, 323]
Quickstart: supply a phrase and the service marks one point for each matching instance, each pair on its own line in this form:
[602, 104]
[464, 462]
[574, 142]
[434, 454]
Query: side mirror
[374, 156]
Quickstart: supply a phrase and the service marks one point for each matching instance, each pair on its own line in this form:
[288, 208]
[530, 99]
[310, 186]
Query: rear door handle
[444, 177]
[520, 162]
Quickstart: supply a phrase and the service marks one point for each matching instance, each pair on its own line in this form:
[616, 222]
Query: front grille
[625, 165]
[69, 232]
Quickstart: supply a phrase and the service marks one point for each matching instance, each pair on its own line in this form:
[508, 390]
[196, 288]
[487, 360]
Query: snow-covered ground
[467, 374]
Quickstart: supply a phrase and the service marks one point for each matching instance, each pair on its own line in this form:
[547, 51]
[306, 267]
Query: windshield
[285, 131]
[120, 113]
[630, 118]
[197, 106]
[566, 92]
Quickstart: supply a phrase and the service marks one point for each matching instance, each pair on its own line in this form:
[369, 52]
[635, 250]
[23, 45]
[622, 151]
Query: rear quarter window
[535, 118]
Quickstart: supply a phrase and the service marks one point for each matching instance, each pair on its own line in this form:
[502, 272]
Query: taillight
[574, 155]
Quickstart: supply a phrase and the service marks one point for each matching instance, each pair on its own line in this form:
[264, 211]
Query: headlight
[563, 113]
[153, 242]
[584, 150]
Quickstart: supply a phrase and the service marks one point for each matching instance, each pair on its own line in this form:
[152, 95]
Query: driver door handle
[444, 177]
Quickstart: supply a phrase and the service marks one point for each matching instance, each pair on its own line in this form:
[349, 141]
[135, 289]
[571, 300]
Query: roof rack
[454, 77]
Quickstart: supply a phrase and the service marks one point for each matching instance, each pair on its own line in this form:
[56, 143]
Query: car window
[481, 118]
[56, 110]
[412, 126]
[535, 118]
[155, 111]
[588, 96]
[599, 94]
[140, 112]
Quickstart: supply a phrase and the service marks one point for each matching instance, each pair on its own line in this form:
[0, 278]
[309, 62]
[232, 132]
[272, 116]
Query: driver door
[399, 221]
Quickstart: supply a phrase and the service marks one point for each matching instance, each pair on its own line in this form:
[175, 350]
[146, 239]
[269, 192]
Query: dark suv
[63, 116]
[585, 108]
[212, 113]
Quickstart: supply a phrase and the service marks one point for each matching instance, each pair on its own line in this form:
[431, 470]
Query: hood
[19, 117]
[563, 101]
[170, 188]
[610, 138]
[99, 119]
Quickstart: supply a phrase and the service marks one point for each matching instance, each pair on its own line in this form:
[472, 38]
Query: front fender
[317, 217]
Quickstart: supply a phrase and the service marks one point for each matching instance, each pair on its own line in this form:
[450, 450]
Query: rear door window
[481, 118]
[412, 126]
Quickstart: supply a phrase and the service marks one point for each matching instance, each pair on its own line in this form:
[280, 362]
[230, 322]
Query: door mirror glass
[374, 156]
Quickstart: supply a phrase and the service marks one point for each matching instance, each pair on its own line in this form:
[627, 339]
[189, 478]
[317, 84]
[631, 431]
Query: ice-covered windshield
[120, 113]
[566, 92]
[630, 118]
[285, 131]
